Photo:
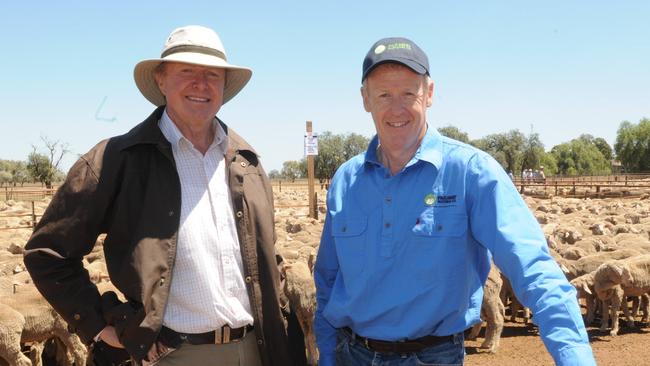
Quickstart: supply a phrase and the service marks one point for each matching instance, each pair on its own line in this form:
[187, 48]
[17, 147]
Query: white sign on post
[311, 143]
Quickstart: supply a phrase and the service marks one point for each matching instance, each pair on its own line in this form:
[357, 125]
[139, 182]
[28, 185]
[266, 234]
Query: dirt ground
[521, 345]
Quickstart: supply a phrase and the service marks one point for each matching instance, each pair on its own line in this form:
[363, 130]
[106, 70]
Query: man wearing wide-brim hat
[188, 213]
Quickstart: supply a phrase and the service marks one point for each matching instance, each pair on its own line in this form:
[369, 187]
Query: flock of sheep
[603, 246]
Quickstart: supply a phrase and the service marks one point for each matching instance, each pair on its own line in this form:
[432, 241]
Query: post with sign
[311, 149]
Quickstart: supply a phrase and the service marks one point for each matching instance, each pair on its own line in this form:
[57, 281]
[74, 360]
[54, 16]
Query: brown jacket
[128, 188]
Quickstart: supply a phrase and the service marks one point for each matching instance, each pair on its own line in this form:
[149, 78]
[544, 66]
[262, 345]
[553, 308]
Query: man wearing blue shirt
[411, 228]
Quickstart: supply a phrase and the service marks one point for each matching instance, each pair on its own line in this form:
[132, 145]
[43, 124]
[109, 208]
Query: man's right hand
[109, 336]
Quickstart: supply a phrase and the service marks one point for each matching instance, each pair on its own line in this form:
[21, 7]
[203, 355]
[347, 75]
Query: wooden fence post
[33, 216]
[310, 176]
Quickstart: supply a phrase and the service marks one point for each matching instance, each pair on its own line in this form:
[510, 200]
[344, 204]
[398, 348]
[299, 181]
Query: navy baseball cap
[399, 50]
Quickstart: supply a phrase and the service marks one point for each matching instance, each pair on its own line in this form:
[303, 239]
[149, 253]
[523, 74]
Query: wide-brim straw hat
[195, 45]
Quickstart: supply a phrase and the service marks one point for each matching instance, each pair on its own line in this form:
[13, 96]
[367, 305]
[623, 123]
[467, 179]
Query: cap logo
[379, 49]
[397, 46]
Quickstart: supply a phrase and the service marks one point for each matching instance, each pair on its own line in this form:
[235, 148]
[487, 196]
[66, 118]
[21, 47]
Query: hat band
[195, 49]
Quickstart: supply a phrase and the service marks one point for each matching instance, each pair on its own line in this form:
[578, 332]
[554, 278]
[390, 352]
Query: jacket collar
[149, 133]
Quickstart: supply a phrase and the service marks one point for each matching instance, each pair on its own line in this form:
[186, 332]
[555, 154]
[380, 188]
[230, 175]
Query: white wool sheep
[11, 326]
[492, 311]
[631, 273]
[43, 322]
[588, 264]
[508, 297]
[301, 291]
[585, 289]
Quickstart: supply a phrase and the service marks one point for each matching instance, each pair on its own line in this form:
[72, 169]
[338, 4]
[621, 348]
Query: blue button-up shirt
[406, 256]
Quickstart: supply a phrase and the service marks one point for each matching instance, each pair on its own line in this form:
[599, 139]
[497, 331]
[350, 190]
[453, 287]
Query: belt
[222, 335]
[406, 346]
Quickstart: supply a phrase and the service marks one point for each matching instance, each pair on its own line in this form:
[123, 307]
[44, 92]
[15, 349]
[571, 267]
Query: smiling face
[194, 93]
[398, 98]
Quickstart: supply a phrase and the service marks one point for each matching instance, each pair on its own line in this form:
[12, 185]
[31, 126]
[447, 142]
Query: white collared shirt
[207, 289]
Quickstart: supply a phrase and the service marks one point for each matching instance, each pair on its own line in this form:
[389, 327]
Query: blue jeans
[351, 352]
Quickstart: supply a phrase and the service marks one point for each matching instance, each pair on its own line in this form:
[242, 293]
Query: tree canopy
[580, 157]
[633, 145]
[336, 149]
[455, 133]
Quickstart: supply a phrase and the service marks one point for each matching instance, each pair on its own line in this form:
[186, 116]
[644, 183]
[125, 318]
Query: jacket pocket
[350, 241]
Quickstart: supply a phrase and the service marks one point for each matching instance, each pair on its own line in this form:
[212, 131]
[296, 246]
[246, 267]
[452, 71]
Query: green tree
[45, 168]
[547, 160]
[40, 168]
[454, 132]
[507, 148]
[334, 150]
[580, 157]
[604, 148]
[291, 170]
[633, 145]
[274, 174]
[354, 145]
[533, 150]
[5, 178]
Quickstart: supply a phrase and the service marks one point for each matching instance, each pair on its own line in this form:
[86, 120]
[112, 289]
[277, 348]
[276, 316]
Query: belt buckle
[222, 335]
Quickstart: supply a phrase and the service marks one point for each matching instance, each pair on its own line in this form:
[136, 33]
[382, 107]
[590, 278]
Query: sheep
[11, 326]
[613, 299]
[632, 273]
[492, 311]
[584, 265]
[301, 291]
[643, 303]
[584, 289]
[43, 322]
[508, 293]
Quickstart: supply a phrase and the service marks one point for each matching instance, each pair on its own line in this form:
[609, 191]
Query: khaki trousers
[242, 353]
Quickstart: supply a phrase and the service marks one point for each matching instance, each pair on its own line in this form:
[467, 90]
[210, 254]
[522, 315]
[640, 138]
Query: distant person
[411, 228]
[510, 175]
[542, 176]
[188, 212]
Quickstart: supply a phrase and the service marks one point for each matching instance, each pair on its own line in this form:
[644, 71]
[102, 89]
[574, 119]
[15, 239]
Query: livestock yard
[581, 223]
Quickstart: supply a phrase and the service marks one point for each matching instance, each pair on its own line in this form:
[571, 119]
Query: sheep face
[626, 277]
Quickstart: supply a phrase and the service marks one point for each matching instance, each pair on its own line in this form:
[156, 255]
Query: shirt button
[388, 199]
[171, 213]
[344, 229]
[239, 214]
[387, 225]
[76, 317]
[248, 279]
[439, 227]
[243, 164]
[141, 346]
[260, 342]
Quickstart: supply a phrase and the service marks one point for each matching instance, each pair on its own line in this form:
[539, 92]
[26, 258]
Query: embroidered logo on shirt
[447, 199]
[430, 199]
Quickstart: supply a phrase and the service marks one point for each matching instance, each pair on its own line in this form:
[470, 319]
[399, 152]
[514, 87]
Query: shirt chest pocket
[350, 237]
[440, 224]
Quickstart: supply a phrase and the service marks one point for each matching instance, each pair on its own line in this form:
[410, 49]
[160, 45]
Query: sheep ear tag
[430, 199]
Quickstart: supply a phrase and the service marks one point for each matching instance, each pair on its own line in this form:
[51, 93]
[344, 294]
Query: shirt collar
[174, 135]
[430, 149]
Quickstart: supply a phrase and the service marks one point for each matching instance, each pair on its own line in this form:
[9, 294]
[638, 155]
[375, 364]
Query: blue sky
[562, 68]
